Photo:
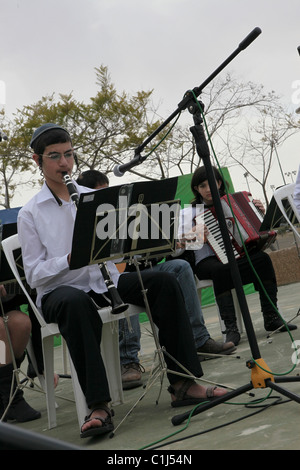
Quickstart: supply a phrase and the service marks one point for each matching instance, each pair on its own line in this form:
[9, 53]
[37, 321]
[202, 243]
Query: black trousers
[212, 268]
[81, 326]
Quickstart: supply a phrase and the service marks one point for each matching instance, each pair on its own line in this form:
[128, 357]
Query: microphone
[3, 136]
[250, 38]
[119, 170]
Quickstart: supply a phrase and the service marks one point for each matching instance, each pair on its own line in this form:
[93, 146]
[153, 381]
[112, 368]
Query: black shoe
[132, 375]
[275, 323]
[21, 412]
[214, 347]
[233, 336]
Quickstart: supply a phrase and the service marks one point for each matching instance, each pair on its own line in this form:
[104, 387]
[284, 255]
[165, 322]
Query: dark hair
[198, 177]
[91, 178]
[52, 136]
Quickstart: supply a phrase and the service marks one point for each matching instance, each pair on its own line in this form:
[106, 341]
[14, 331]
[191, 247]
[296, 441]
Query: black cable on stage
[255, 404]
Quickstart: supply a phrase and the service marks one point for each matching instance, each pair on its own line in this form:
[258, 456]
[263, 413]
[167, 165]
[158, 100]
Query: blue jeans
[129, 341]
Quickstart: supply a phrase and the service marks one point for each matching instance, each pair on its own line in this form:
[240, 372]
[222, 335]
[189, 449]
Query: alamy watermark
[152, 221]
[295, 355]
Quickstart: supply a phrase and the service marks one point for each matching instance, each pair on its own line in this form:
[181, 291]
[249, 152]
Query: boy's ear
[37, 159]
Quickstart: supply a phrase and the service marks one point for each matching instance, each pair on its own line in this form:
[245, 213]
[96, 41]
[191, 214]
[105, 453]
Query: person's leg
[227, 312]
[212, 268]
[80, 325]
[269, 307]
[130, 340]
[168, 312]
[185, 277]
[130, 345]
[261, 271]
[19, 327]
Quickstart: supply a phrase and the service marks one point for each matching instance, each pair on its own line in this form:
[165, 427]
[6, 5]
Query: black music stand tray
[94, 250]
[261, 376]
[105, 218]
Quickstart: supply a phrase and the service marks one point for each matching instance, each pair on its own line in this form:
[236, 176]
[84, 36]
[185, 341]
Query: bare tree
[229, 107]
[254, 147]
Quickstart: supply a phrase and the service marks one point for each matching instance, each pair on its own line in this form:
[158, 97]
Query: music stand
[92, 210]
[273, 217]
[105, 218]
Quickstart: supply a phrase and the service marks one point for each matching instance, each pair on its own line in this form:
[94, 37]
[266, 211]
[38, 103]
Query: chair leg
[111, 358]
[48, 353]
[31, 354]
[64, 355]
[81, 406]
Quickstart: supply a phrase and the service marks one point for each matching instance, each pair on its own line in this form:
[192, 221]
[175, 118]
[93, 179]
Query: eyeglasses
[55, 156]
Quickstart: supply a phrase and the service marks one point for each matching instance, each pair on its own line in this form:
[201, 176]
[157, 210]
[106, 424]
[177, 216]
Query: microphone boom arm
[187, 99]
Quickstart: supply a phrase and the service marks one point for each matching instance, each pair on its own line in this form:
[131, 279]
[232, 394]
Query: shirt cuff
[62, 263]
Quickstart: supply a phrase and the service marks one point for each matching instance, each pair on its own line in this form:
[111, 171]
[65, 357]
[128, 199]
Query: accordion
[243, 226]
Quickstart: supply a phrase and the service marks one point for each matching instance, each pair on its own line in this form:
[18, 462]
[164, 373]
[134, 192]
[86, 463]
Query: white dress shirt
[186, 224]
[45, 231]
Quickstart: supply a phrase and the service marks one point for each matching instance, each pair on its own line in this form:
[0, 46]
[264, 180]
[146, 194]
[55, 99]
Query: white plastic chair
[109, 346]
[285, 193]
[208, 283]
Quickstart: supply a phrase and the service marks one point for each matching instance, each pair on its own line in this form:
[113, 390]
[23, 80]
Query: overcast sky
[166, 45]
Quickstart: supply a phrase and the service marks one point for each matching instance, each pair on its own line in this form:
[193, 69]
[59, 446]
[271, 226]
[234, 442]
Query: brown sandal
[183, 399]
[106, 426]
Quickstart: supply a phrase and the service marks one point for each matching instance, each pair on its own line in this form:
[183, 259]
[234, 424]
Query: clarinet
[117, 305]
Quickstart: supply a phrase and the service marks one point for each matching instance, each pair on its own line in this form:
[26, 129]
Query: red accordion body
[244, 226]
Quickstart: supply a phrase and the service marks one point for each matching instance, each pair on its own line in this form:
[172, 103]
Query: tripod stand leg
[285, 379]
[284, 392]
[262, 379]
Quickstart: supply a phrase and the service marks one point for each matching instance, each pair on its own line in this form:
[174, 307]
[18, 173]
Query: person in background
[206, 265]
[19, 329]
[93, 179]
[130, 340]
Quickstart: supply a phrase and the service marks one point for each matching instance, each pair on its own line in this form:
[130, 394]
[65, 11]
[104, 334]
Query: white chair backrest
[285, 193]
[9, 245]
